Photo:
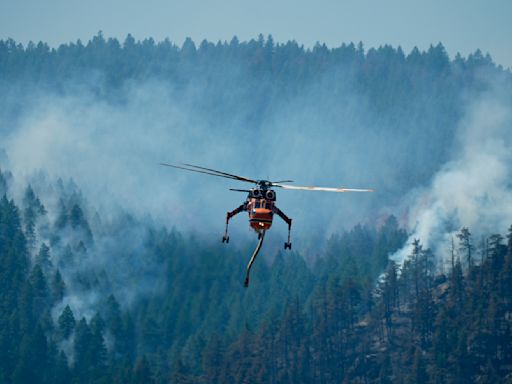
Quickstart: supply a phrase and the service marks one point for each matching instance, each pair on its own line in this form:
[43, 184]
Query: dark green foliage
[33, 359]
[326, 323]
[90, 351]
[3, 181]
[466, 246]
[70, 215]
[66, 322]
[58, 287]
[60, 373]
[32, 210]
[37, 294]
[43, 257]
[121, 327]
[15, 304]
[435, 335]
[62, 216]
[77, 221]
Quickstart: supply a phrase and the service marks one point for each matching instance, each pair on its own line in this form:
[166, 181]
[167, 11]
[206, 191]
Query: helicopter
[260, 204]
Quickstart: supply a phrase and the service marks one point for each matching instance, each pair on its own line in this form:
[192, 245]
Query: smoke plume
[472, 190]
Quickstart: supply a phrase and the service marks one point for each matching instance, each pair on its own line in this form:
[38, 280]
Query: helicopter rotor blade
[225, 174]
[198, 171]
[213, 172]
[239, 190]
[324, 189]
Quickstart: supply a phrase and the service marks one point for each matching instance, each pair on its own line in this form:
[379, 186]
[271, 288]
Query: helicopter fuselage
[260, 205]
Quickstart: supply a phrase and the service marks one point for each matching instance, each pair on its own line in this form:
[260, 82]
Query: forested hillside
[333, 321]
[113, 272]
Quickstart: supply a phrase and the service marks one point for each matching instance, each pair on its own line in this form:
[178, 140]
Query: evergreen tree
[31, 211]
[58, 287]
[465, 245]
[32, 365]
[62, 215]
[66, 322]
[85, 361]
[43, 257]
[3, 184]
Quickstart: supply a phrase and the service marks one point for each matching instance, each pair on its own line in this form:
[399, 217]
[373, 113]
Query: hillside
[112, 269]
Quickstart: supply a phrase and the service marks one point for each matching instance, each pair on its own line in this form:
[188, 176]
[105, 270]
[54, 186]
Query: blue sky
[461, 25]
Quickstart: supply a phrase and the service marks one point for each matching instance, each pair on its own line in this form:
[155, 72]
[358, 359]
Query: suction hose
[255, 253]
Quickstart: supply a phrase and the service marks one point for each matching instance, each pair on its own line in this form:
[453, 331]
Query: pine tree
[62, 215]
[506, 274]
[82, 351]
[417, 249]
[465, 245]
[40, 293]
[77, 221]
[43, 257]
[497, 253]
[66, 322]
[61, 374]
[32, 210]
[32, 363]
[3, 184]
[97, 347]
[58, 287]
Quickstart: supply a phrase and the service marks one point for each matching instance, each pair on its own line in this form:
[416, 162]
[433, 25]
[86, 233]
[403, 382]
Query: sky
[460, 25]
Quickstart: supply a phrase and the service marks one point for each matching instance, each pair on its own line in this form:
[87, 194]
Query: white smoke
[474, 189]
[113, 150]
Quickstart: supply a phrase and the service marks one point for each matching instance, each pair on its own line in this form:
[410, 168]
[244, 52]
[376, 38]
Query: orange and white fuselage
[260, 214]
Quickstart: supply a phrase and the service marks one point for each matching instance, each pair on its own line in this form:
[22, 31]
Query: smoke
[107, 152]
[323, 129]
[472, 190]
[113, 150]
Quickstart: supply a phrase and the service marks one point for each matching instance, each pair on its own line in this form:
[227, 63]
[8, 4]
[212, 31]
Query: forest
[97, 292]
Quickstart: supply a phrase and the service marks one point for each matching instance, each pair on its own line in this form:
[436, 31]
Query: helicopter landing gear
[288, 244]
[229, 215]
[225, 238]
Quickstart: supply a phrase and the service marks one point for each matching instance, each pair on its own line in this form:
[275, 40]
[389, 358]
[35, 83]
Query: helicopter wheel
[287, 246]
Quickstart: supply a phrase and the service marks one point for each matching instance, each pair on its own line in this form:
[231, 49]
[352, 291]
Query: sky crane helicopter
[260, 204]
